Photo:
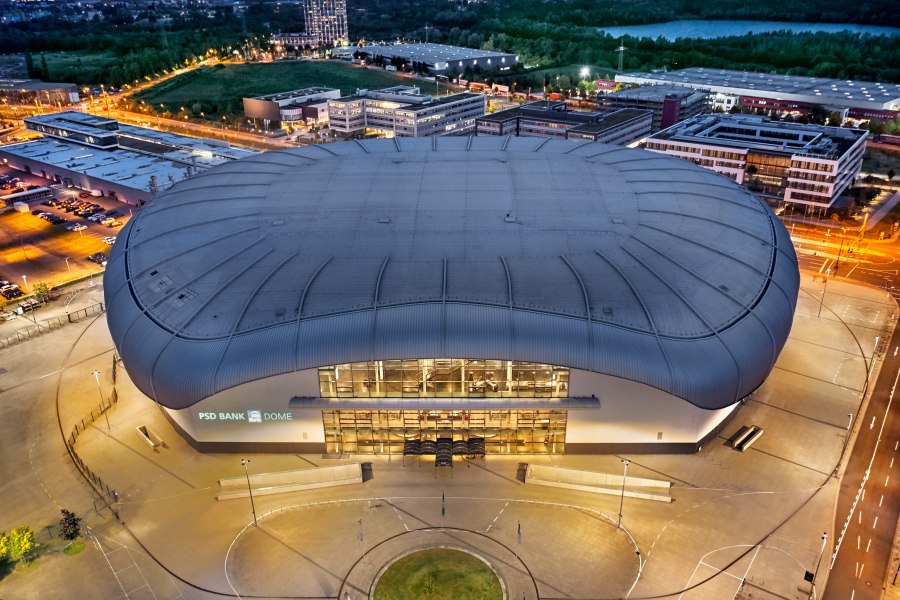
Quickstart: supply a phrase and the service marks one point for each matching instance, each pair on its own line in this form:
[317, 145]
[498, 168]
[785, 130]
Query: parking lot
[52, 242]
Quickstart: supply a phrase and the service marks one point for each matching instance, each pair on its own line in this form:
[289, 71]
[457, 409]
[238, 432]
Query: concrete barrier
[599, 483]
[281, 482]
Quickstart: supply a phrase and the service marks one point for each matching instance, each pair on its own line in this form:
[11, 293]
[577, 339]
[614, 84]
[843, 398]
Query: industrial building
[39, 93]
[668, 103]
[520, 295]
[305, 105]
[811, 165]
[403, 111]
[326, 25]
[553, 119]
[784, 93]
[437, 58]
[125, 162]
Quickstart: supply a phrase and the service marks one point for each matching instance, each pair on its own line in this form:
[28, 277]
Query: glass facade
[443, 378]
[503, 431]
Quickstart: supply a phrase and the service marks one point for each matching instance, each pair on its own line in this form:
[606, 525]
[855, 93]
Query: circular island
[437, 573]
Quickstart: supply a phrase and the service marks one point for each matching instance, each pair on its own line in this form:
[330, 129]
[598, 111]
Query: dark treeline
[559, 34]
[144, 45]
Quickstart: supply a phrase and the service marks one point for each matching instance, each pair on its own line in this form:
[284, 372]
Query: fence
[47, 325]
[106, 493]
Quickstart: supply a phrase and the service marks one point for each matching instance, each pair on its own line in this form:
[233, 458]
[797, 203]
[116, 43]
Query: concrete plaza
[741, 524]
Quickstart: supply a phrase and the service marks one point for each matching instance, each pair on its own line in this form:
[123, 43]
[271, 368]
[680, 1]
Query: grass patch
[80, 67]
[876, 160]
[76, 547]
[438, 574]
[223, 86]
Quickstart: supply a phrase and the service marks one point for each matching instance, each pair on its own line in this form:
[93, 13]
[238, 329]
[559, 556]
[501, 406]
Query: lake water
[715, 29]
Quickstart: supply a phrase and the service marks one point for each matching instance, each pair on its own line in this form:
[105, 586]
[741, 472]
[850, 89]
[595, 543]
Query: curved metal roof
[591, 256]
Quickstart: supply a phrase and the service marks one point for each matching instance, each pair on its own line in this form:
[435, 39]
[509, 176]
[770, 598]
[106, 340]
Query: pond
[714, 29]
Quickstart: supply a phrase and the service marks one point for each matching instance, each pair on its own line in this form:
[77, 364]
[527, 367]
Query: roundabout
[438, 573]
[524, 549]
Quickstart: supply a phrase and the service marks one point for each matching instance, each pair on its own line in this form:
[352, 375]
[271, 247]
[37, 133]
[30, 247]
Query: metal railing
[102, 488]
[46, 325]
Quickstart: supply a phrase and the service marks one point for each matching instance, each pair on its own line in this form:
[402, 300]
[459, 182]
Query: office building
[784, 93]
[668, 103]
[403, 111]
[436, 58]
[129, 163]
[285, 108]
[811, 165]
[38, 93]
[553, 119]
[524, 295]
[326, 26]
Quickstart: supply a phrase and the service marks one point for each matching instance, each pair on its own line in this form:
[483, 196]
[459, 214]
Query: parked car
[110, 239]
[84, 195]
[98, 257]
[112, 223]
[77, 227]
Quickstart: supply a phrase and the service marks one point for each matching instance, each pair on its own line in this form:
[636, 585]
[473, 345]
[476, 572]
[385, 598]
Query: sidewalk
[747, 521]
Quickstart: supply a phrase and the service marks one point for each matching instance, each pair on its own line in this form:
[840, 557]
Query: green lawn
[876, 160]
[438, 574]
[224, 85]
[77, 67]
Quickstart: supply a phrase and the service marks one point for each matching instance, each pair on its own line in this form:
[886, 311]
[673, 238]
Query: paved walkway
[739, 523]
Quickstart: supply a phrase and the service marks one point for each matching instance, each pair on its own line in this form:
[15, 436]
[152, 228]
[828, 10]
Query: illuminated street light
[585, 72]
[103, 408]
[244, 463]
[625, 462]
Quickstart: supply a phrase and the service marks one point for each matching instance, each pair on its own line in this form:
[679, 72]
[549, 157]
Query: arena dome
[599, 258]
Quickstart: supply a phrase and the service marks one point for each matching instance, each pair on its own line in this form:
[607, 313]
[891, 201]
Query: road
[869, 499]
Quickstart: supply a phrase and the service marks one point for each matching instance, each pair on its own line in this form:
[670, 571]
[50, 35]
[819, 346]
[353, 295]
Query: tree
[21, 543]
[44, 68]
[4, 547]
[42, 291]
[69, 525]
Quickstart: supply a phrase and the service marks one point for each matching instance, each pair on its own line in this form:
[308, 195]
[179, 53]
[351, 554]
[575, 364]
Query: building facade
[39, 93]
[784, 93]
[131, 164]
[669, 104]
[810, 165]
[436, 58]
[326, 26]
[552, 119]
[529, 296]
[288, 107]
[403, 111]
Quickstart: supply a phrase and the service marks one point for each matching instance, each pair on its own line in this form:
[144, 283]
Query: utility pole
[621, 50]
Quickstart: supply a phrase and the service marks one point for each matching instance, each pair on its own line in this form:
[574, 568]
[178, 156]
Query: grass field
[224, 85]
[78, 67]
[438, 574]
[876, 160]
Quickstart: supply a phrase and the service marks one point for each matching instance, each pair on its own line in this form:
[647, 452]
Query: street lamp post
[244, 463]
[103, 408]
[818, 562]
[625, 462]
[837, 263]
[25, 281]
[68, 267]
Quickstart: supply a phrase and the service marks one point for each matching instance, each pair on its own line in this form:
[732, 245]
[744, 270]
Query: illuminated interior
[443, 378]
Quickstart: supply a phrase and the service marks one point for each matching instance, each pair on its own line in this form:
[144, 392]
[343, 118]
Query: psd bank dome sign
[251, 416]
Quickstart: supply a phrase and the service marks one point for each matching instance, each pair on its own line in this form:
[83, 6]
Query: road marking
[872, 424]
[869, 545]
[875, 522]
[892, 464]
[886, 479]
[880, 501]
[895, 350]
[860, 517]
[895, 445]
[856, 572]
[863, 495]
[857, 542]
[852, 593]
